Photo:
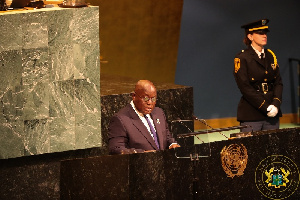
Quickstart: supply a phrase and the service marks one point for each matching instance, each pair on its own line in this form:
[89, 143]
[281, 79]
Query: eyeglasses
[146, 98]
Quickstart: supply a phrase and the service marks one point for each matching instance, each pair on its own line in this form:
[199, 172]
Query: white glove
[272, 111]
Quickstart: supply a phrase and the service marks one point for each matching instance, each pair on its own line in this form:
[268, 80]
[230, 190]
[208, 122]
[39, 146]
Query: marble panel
[50, 96]
[61, 45]
[87, 117]
[34, 30]
[36, 101]
[12, 105]
[36, 138]
[62, 99]
[12, 139]
[119, 184]
[59, 32]
[37, 176]
[11, 30]
[266, 143]
[11, 70]
[61, 59]
[36, 181]
[62, 137]
[35, 62]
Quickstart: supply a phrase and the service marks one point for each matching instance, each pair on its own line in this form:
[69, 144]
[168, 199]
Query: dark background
[210, 37]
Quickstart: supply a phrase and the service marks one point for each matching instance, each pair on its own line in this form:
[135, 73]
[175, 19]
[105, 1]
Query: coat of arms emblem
[277, 177]
[234, 159]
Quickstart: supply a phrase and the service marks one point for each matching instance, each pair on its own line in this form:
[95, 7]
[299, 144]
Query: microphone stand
[207, 125]
[181, 122]
[183, 135]
[195, 160]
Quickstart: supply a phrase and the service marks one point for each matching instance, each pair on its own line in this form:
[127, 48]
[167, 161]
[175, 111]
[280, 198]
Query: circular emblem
[234, 159]
[277, 177]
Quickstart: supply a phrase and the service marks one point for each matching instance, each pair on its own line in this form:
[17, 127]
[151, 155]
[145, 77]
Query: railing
[295, 106]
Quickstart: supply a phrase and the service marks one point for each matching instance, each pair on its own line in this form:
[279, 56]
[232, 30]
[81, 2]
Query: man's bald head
[144, 85]
[144, 88]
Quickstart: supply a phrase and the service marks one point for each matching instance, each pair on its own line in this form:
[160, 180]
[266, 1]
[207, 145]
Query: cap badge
[263, 22]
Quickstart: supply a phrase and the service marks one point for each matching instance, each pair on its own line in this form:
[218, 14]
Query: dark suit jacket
[250, 71]
[127, 132]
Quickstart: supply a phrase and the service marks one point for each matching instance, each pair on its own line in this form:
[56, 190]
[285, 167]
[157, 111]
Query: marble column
[50, 81]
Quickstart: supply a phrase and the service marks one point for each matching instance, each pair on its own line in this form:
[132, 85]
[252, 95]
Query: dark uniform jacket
[260, 83]
[127, 132]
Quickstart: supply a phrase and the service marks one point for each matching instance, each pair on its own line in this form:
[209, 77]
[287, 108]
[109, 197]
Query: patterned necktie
[152, 131]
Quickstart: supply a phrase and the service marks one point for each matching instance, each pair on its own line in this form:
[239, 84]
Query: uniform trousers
[269, 124]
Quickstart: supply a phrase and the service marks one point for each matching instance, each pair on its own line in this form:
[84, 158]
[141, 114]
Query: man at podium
[140, 126]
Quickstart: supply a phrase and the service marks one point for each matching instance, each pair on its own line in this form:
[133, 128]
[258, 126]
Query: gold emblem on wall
[234, 159]
[277, 177]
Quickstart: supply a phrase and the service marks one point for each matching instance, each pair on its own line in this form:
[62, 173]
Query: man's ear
[132, 94]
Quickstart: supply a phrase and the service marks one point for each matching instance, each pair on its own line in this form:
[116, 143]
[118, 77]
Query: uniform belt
[265, 87]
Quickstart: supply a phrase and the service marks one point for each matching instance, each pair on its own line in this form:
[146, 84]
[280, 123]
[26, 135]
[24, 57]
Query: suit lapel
[256, 58]
[137, 122]
[260, 61]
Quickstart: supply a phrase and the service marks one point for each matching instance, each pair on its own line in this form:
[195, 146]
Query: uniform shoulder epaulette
[242, 51]
[275, 64]
[239, 53]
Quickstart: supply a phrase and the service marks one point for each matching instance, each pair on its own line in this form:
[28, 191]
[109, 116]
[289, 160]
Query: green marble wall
[50, 81]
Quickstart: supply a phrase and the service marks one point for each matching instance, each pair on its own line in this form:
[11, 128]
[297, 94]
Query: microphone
[203, 121]
[186, 120]
[182, 120]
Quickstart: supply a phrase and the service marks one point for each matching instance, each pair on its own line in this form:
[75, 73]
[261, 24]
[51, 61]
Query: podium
[191, 172]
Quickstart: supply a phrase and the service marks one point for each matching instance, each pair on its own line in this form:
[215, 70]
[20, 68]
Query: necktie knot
[261, 55]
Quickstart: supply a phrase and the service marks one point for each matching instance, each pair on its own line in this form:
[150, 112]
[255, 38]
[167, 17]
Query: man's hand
[173, 146]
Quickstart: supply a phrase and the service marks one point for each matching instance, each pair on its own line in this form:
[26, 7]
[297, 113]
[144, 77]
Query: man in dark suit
[140, 126]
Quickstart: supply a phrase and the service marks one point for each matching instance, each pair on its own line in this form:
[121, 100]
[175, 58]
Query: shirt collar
[136, 111]
[257, 52]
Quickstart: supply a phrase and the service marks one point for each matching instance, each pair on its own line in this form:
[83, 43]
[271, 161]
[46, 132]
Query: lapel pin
[157, 121]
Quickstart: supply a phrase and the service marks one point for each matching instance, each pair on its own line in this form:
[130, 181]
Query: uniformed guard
[257, 75]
